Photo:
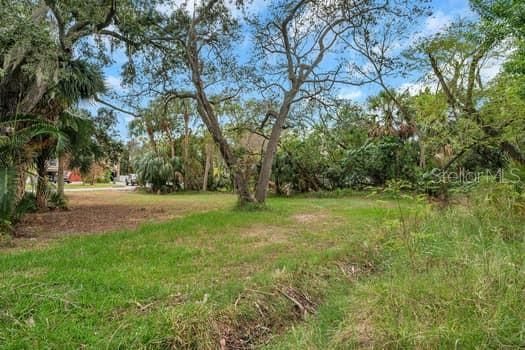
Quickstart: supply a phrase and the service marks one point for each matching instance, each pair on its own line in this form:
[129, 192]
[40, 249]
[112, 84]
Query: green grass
[443, 279]
[453, 279]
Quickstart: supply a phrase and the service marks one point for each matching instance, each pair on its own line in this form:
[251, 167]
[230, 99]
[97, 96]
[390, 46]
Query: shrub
[58, 201]
[159, 171]
[26, 205]
[381, 160]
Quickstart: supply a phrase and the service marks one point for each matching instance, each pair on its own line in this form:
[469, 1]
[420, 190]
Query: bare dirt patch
[262, 235]
[103, 211]
[311, 218]
[267, 234]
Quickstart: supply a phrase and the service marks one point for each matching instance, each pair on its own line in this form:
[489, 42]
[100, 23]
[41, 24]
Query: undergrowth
[451, 278]
[356, 272]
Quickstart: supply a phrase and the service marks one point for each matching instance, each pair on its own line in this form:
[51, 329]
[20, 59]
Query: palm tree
[158, 170]
[16, 151]
[78, 80]
[164, 123]
[391, 117]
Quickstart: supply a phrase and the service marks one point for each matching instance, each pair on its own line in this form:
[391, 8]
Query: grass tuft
[248, 206]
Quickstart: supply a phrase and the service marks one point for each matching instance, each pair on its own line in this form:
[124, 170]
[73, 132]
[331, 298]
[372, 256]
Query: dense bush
[382, 160]
[160, 172]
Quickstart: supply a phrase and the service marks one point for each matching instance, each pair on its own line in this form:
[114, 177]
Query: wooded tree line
[251, 98]
[310, 139]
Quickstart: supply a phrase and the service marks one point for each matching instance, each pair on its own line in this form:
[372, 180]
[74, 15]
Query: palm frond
[80, 80]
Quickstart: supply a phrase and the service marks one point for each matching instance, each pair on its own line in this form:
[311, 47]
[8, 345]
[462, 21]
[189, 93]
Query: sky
[443, 13]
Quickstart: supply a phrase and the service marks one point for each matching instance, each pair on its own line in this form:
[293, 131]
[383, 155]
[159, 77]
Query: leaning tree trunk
[266, 166]
[17, 97]
[240, 182]
[211, 121]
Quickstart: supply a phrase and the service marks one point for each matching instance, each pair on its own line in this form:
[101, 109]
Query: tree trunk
[513, 151]
[278, 188]
[266, 166]
[206, 168]
[33, 95]
[240, 183]
[167, 132]
[21, 182]
[17, 97]
[211, 121]
[60, 175]
[185, 151]
[422, 155]
[151, 138]
[41, 186]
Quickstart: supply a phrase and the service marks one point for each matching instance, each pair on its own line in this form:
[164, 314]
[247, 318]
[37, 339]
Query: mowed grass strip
[150, 287]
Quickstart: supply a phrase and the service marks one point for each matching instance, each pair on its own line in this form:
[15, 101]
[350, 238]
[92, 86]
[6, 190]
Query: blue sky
[444, 12]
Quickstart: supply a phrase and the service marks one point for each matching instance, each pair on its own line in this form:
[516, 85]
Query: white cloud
[114, 82]
[436, 23]
[415, 88]
[431, 26]
[168, 7]
[350, 94]
[493, 67]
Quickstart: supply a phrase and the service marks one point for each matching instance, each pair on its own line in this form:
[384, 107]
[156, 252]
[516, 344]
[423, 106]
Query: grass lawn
[324, 273]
